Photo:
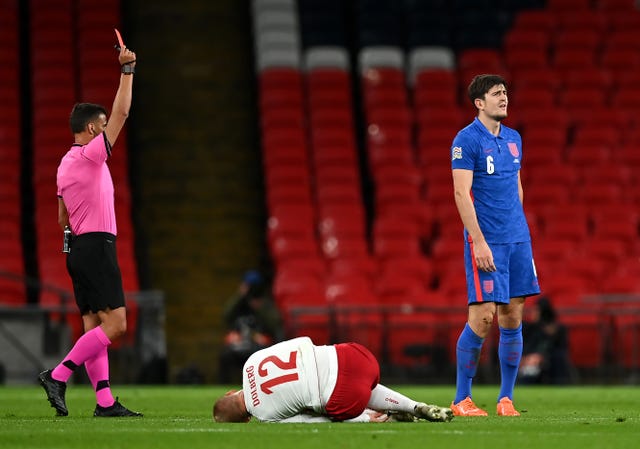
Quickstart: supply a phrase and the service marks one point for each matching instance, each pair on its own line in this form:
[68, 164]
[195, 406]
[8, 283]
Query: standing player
[296, 381]
[86, 206]
[485, 159]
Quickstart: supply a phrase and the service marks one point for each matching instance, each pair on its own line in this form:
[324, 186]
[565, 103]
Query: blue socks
[467, 354]
[509, 354]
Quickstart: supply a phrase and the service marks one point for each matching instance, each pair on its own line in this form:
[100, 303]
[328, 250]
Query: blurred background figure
[545, 357]
[252, 321]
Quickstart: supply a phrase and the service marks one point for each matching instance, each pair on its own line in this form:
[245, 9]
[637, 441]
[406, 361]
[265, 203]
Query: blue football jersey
[495, 162]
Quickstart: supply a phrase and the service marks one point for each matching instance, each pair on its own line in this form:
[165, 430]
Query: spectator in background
[252, 321]
[545, 356]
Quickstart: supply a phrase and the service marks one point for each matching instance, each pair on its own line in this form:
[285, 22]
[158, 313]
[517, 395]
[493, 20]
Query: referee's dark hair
[84, 113]
[481, 84]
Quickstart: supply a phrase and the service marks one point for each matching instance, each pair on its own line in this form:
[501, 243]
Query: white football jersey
[282, 380]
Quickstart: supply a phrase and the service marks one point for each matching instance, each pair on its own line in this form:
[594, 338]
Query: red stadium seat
[377, 77]
[448, 248]
[396, 193]
[575, 98]
[391, 97]
[280, 77]
[277, 96]
[626, 329]
[347, 194]
[345, 175]
[388, 135]
[362, 265]
[546, 80]
[608, 174]
[520, 59]
[549, 251]
[582, 19]
[287, 248]
[610, 249]
[569, 58]
[419, 268]
[334, 155]
[587, 154]
[320, 78]
[568, 5]
[608, 6]
[301, 300]
[435, 86]
[341, 221]
[607, 135]
[539, 96]
[539, 195]
[557, 228]
[620, 59]
[357, 319]
[586, 346]
[286, 220]
[284, 154]
[625, 38]
[567, 290]
[536, 20]
[586, 38]
[392, 247]
[327, 117]
[587, 77]
[553, 173]
[338, 248]
[518, 38]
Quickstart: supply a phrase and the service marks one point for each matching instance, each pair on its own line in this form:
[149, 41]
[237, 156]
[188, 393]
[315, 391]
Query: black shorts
[93, 266]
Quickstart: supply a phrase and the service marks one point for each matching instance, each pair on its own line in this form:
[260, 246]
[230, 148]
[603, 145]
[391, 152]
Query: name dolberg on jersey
[252, 385]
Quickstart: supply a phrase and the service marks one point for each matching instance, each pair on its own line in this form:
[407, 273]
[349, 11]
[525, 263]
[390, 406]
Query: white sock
[383, 399]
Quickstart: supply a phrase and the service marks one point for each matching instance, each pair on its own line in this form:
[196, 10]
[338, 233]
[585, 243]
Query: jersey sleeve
[363, 417]
[304, 418]
[463, 152]
[98, 150]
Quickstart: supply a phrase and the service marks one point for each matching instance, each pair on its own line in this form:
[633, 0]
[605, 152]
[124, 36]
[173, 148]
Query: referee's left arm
[63, 215]
[122, 100]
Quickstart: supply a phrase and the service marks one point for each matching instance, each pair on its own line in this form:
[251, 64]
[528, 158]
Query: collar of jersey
[484, 129]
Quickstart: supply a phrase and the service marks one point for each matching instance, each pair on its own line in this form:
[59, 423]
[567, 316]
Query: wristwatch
[128, 69]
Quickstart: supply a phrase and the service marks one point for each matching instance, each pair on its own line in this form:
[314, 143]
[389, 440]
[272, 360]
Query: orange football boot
[505, 408]
[466, 407]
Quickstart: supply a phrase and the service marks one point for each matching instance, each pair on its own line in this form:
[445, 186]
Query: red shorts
[358, 374]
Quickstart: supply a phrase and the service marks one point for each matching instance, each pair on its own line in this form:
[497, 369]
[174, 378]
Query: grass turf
[180, 417]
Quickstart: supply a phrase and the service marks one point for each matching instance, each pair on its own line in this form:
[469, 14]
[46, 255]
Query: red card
[119, 36]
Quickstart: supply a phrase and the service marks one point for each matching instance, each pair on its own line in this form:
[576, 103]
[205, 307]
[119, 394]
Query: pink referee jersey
[85, 185]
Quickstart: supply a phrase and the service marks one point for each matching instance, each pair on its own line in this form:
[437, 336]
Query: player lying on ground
[296, 381]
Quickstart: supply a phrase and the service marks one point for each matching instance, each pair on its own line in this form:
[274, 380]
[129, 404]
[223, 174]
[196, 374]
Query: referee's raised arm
[122, 101]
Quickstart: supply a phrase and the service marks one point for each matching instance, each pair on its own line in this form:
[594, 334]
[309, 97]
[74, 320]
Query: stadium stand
[564, 62]
[12, 267]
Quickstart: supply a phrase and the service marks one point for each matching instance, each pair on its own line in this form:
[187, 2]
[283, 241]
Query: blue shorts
[515, 274]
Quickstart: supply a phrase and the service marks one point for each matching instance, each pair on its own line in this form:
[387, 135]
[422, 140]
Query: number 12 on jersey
[284, 365]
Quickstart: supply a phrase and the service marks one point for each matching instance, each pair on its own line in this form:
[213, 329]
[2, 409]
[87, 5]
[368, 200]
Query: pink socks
[98, 372]
[87, 347]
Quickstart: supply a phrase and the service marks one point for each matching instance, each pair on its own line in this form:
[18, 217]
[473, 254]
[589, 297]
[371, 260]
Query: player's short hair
[229, 409]
[481, 84]
[84, 113]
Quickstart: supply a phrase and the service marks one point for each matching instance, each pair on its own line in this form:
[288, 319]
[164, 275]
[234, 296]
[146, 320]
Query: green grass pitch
[180, 417]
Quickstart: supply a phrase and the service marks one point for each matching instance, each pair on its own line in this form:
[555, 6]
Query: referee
[86, 207]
